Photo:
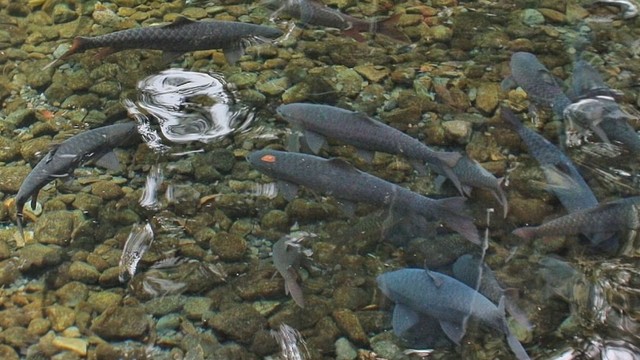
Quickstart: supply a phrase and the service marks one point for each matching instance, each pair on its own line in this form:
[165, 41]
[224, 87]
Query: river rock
[121, 323]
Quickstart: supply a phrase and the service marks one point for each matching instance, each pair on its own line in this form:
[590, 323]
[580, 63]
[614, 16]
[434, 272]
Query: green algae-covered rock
[121, 323]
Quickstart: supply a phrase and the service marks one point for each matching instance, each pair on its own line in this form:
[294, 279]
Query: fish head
[269, 32]
[293, 113]
[267, 161]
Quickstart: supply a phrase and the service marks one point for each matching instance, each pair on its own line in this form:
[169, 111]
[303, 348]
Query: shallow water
[205, 287]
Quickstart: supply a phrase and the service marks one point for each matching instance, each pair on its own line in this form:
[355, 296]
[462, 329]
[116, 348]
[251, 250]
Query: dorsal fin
[179, 21]
[342, 164]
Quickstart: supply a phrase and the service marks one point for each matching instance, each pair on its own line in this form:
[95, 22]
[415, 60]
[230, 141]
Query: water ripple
[192, 106]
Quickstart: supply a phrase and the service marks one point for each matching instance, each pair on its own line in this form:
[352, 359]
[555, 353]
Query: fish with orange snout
[338, 178]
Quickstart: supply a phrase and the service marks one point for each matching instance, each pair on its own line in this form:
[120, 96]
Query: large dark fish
[618, 215]
[563, 178]
[96, 144]
[363, 132]
[316, 13]
[422, 292]
[536, 80]
[183, 35]
[472, 174]
[340, 179]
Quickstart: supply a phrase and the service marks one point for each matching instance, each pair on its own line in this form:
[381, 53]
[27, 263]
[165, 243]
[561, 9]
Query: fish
[587, 83]
[470, 270]
[535, 79]
[182, 35]
[606, 119]
[61, 161]
[286, 254]
[617, 215]
[628, 9]
[338, 178]
[563, 179]
[418, 292]
[312, 12]
[365, 133]
[472, 175]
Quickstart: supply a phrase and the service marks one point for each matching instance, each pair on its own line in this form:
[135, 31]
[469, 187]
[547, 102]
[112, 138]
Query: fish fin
[287, 189]
[451, 216]
[462, 189]
[440, 179]
[179, 21]
[233, 53]
[419, 167]
[513, 309]
[559, 178]
[434, 278]
[449, 158]
[366, 155]
[510, 117]
[353, 33]
[104, 52]
[344, 165]
[599, 238]
[293, 142]
[34, 200]
[169, 56]
[109, 161]
[292, 288]
[454, 331]
[527, 232]
[314, 140]
[404, 318]
[508, 83]
[389, 27]
[347, 207]
[516, 347]
[77, 46]
[501, 197]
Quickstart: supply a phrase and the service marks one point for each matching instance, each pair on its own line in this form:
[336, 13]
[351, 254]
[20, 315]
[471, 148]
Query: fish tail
[527, 233]
[452, 208]
[79, 43]
[501, 196]
[388, 27]
[517, 348]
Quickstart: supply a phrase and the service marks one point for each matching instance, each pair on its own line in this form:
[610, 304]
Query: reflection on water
[192, 106]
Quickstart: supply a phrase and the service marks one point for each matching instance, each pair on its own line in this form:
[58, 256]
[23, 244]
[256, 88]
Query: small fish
[340, 179]
[628, 9]
[419, 292]
[61, 161]
[287, 253]
[472, 174]
[366, 134]
[564, 180]
[313, 12]
[139, 241]
[618, 215]
[470, 269]
[183, 35]
[536, 80]
[291, 343]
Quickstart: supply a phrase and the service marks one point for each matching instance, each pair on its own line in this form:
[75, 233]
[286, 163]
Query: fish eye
[268, 158]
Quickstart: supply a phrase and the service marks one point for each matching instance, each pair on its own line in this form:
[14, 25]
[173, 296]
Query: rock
[488, 97]
[348, 322]
[532, 17]
[11, 177]
[17, 337]
[239, 322]
[78, 346]
[373, 73]
[39, 256]
[196, 307]
[273, 87]
[56, 227]
[9, 272]
[100, 301]
[350, 297]
[38, 327]
[61, 317]
[259, 285]
[438, 251]
[439, 33]
[275, 219]
[9, 149]
[164, 305]
[83, 272]
[229, 247]
[7, 353]
[458, 130]
[71, 294]
[87, 203]
[106, 190]
[553, 15]
[121, 323]
[62, 14]
[345, 350]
